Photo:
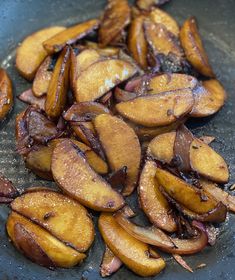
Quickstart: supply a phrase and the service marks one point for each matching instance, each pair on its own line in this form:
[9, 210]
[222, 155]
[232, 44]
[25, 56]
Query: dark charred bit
[7, 190]
[117, 179]
[93, 140]
[48, 215]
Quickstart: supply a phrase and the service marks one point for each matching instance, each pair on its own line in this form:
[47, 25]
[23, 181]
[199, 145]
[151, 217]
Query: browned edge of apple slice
[6, 95]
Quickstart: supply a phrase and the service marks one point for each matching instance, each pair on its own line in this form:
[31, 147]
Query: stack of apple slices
[106, 114]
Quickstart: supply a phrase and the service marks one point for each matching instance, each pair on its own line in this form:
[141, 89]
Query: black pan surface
[217, 24]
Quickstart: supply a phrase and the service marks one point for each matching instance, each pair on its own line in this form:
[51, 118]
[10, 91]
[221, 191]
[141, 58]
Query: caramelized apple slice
[78, 129]
[209, 98]
[110, 263]
[193, 47]
[133, 253]
[161, 40]
[42, 78]
[148, 4]
[160, 16]
[39, 245]
[119, 142]
[7, 190]
[150, 235]
[159, 109]
[70, 35]
[100, 77]
[116, 17]
[31, 53]
[6, 95]
[29, 98]
[63, 217]
[137, 43]
[170, 82]
[68, 163]
[85, 111]
[207, 162]
[153, 203]
[107, 51]
[194, 199]
[58, 87]
[219, 194]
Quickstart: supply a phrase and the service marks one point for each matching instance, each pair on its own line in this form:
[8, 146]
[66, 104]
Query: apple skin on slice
[132, 252]
[121, 146]
[30, 54]
[63, 217]
[76, 178]
[39, 245]
[100, 77]
[152, 202]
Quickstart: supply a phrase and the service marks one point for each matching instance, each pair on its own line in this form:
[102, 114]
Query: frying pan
[217, 24]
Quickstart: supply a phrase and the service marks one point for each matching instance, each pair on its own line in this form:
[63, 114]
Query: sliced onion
[110, 263]
[123, 95]
[150, 235]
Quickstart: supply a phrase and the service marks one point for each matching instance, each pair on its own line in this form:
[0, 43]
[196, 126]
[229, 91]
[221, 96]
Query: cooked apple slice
[107, 51]
[29, 98]
[7, 190]
[110, 263]
[119, 141]
[205, 161]
[160, 16]
[161, 40]
[42, 78]
[31, 53]
[58, 87]
[70, 35]
[158, 109]
[81, 133]
[170, 82]
[193, 47]
[123, 95]
[135, 254]
[148, 4]
[137, 43]
[219, 194]
[209, 98]
[115, 18]
[81, 62]
[68, 163]
[85, 111]
[194, 199]
[39, 245]
[100, 77]
[149, 235]
[153, 203]
[6, 95]
[63, 217]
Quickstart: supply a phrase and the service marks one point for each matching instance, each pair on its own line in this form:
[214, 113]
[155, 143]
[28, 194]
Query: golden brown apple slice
[31, 53]
[205, 161]
[161, 40]
[110, 263]
[58, 87]
[107, 51]
[170, 82]
[209, 98]
[115, 18]
[153, 203]
[135, 254]
[194, 199]
[29, 98]
[193, 47]
[149, 235]
[219, 194]
[81, 133]
[6, 95]
[39, 245]
[68, 163]
[63, 217]
[160, 16]
[146, 5]
[70, 35]
[85, 111]
[100, 77]
[119, 141]
[42, 78]
[158, 109]
[137, 43]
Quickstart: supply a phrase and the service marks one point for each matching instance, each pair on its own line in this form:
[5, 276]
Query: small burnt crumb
[48, 215]
[195, 147]
[110, 204]
[170, 112]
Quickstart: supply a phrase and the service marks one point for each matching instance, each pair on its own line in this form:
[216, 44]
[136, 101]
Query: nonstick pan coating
[217, 24]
